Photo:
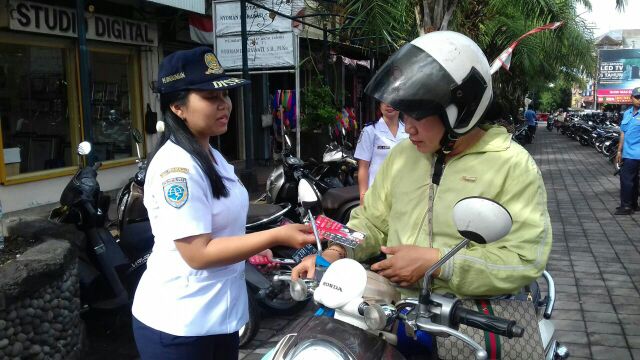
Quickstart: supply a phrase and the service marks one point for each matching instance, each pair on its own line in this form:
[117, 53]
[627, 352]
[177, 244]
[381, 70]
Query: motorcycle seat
[336, 197]
[259, 212]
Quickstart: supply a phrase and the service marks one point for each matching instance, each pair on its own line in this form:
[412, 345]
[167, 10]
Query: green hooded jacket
[396, 212]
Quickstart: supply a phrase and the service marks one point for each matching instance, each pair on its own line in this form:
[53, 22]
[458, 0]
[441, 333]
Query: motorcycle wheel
[282, 304]
[250, 329]
[583, 142]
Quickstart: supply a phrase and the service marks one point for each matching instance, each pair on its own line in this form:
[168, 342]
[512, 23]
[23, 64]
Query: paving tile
[577, 350]
[571, 336]
[603, 328]
[569, 325]
[623, 292]
[568, 315]
[628, 309]
[603, 317]
[594, 290]
[610, 353]
[633, 341]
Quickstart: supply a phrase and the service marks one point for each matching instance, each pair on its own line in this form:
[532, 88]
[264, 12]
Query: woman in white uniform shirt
[192, 298]
[376, 140]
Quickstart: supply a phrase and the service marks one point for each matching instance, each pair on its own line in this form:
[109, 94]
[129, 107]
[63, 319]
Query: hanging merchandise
[284, 109]
[345, 119]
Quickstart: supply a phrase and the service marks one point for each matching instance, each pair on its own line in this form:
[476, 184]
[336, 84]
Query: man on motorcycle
[442, 83]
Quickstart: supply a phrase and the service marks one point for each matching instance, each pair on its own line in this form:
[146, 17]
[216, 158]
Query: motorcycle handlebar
[490, 323]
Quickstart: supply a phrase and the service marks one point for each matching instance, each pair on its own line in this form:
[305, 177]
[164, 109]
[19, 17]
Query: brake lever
[425, 324]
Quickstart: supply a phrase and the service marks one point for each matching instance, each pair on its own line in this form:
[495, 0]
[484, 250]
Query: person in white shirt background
[375, 142]
[192, 299]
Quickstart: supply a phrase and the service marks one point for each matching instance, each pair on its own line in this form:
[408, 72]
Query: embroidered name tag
[176, 191]
[383, 147]
[174, 170]
[469, 178]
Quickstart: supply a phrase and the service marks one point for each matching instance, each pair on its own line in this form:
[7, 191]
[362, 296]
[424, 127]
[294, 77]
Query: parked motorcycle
[109, 267]
[362, 316]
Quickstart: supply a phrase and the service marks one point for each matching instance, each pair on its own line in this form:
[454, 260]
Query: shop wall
[32, 194]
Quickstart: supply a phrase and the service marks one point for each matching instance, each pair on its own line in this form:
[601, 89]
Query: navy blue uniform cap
[195, 69]
[635, 92]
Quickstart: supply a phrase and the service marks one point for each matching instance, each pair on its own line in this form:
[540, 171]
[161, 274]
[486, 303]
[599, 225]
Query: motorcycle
[338, 200]
[521, 135]
[109, 266]
[550, 122]
[362, 316]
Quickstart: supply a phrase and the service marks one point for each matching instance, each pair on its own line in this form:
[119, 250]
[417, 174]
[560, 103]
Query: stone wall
[39, 304]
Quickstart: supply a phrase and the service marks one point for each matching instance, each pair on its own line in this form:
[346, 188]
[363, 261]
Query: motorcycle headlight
[318, 349]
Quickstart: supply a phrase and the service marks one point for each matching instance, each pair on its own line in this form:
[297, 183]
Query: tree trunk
[432, 15]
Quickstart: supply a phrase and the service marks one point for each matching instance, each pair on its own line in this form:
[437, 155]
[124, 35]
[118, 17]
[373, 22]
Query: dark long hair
[177, 131]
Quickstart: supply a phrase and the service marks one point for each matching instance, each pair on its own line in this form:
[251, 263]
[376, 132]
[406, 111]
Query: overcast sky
[605, 17]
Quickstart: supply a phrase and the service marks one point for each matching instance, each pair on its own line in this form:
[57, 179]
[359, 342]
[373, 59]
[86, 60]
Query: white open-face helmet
[441, 73]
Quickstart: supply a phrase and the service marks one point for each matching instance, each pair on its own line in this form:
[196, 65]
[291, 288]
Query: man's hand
[407, 265]
[619, 158]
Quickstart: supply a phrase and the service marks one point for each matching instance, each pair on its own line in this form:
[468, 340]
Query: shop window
[112, 81]
[34, 108]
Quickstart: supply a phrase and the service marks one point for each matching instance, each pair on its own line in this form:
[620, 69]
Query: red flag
[504, 59]
[201, 29]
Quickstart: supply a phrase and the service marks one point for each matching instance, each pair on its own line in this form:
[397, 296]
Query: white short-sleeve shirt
[172, 297]
[375, 143]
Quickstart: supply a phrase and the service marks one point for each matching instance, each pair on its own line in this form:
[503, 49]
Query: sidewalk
[594, 261]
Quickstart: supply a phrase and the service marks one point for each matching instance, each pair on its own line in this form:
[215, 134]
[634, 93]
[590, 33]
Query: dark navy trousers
[629, 183]
[157, 345]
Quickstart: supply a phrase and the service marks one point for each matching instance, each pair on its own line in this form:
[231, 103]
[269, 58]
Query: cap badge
[212, 64]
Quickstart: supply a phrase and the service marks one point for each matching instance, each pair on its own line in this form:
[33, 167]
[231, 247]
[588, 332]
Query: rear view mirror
[481, 220]
[307, 194]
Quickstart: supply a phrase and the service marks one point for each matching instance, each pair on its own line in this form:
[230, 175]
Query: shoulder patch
[174, 170]
[176, 191]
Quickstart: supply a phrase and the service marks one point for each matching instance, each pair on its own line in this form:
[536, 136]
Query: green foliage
[378, 24]
[553, 98]
[317, 106]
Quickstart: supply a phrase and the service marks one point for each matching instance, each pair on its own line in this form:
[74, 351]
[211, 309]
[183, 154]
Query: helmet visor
[413, 82]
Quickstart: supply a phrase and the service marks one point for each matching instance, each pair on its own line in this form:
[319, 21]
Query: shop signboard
[227, 17]
[264, 50]
[54, 20]
[619, 73]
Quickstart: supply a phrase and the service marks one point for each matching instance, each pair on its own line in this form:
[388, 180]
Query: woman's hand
[407, 265]
[294, 235]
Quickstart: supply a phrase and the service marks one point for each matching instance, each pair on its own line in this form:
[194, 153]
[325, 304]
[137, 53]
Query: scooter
[362, 316]
[109, 266]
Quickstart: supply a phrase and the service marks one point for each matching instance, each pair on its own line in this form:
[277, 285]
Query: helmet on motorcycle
[441, 73]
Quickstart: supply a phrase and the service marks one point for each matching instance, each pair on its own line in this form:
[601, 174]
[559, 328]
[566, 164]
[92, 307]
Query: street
[595, 260]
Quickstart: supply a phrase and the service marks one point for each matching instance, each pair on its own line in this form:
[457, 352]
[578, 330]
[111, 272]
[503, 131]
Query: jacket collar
[496, 138]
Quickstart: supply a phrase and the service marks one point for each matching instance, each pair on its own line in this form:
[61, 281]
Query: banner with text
[227, 17]
[264, 51]
[55, 20]
[619, 73]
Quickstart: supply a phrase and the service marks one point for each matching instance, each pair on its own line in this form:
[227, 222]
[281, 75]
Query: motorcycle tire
[583, 142]
[250, 329]
[282, 307]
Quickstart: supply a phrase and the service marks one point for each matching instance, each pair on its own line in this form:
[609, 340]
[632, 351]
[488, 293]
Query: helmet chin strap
[446, 146]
